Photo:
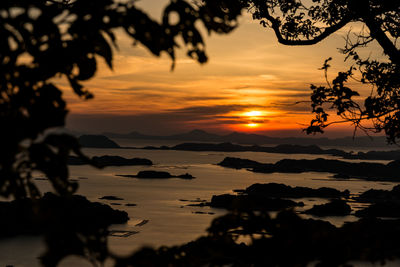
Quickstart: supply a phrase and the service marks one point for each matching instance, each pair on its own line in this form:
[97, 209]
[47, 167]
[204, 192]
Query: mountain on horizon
[194, 135]
[256, 139]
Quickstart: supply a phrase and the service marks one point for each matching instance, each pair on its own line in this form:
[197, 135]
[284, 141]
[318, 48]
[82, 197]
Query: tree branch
[327, 32]
[379, 35]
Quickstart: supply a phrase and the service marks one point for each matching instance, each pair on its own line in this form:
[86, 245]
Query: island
[282, 149]
[198, 135]
[110, 198]
[361, 170]
[104, 161]
[156, 175]
[271, 197]
[286, 191]
[336, 207]
[252, 202]
[384, 203]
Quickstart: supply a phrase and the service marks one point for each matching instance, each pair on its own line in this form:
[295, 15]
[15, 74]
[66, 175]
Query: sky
[251, 84]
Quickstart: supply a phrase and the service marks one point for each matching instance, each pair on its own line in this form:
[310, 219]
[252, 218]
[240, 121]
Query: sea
[161, 216]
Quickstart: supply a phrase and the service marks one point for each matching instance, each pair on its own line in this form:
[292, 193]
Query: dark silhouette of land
[156, 175]
[282, 149]
[375, 195]
[384, 203]
[286, 191]
[252, 202]
[244, 138]
[104, 161]
[342, 169]
[110, 198]
[100, 141]
[336, 207]
[276, 197]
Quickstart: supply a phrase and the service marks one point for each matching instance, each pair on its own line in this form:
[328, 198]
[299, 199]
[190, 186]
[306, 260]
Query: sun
[254, 117]
[253, 113]
[252, 125]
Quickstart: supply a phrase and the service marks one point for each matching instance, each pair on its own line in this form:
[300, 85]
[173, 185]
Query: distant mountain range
[244, 138]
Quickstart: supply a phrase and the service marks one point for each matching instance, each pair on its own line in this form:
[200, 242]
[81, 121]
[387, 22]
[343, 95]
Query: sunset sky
[250, 84]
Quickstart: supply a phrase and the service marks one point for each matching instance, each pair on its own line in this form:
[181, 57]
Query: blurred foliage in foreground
[46, 39]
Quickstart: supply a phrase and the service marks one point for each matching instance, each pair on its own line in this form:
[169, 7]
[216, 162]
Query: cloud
[168, 121]
[213, 110]
[202, 98]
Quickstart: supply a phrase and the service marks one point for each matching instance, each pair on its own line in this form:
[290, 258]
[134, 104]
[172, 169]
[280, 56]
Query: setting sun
[252, 125]
[254, 117]
[253, 113]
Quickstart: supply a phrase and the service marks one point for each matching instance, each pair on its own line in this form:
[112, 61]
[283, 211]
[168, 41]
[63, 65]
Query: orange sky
[251, 83]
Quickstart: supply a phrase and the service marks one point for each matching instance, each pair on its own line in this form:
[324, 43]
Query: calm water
[158, 201]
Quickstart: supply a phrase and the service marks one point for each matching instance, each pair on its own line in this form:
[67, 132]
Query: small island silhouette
[156, 175]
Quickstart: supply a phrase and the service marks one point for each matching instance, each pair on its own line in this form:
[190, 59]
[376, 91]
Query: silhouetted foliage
[302, 23]
[297, 22]
[248, 238]
[42, 40]
[46, 39]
